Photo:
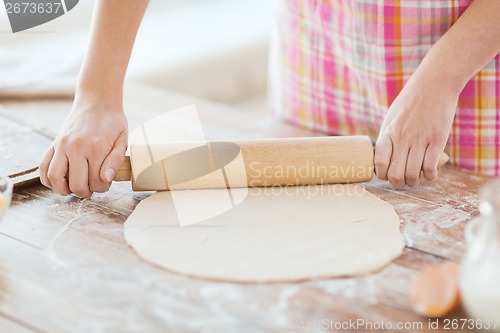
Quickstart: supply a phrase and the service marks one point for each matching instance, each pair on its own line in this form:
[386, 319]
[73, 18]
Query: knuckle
[396, 177]
[96, 145]
[98, 186]
[430, 170]
[412, 181]
[64, 140]
[52, 176]
[397, 180]
[397, 185]
[61, 191]
[396, 133]
[72, 141]
[64, 192]
[77, 141]
[436, 137]
[431, 175]
[383, 147]
[411, 177]
[44, 165]
[80, 191]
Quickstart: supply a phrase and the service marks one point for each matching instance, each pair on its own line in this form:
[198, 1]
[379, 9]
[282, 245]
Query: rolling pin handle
[124, 172]
[443, 159]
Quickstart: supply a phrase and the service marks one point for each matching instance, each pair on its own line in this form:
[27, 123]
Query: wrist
[104, 96]
[447, 67]
[439, 75]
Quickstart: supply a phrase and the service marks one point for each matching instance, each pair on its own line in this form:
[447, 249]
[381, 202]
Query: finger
[114, 159]
[383, 154]
[397, 167]
[96, 184]
[431, 161]
[57, 173]
[79, 176]
[414, 165]
[44, 167]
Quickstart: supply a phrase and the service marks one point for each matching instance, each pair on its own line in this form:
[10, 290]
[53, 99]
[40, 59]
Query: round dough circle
[289, 234]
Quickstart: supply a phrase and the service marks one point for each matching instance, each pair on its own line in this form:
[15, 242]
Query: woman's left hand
[415, 131]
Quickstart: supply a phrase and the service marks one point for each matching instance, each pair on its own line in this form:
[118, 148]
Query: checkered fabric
[337, 65]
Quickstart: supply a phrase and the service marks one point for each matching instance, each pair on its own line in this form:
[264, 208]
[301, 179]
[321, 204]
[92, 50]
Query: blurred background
[214, 49]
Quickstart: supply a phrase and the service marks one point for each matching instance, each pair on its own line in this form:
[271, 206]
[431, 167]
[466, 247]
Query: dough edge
[396, 252]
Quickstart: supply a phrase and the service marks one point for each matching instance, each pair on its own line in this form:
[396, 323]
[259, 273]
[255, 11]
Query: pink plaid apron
[337, 65]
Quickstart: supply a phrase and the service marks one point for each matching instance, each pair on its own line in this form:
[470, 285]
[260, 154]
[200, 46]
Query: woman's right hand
[88, 150]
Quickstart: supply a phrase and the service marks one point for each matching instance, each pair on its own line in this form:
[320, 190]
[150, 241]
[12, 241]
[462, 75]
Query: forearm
[467, 47]
[114, 28]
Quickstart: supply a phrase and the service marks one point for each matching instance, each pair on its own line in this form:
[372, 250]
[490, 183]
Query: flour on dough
[285, 234]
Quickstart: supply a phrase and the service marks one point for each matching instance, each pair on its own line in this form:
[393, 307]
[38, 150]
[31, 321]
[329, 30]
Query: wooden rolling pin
[242, 163]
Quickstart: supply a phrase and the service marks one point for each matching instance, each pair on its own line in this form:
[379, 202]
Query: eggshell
[435, 293]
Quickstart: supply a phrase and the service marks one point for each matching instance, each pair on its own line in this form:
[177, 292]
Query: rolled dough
[285, 234]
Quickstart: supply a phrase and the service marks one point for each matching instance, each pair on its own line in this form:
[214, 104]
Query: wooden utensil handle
[124, 173]
[443, 159]
[306, 161]
[290, 161]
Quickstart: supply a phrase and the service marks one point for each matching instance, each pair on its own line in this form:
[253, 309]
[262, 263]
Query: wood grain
[64, 266]
[21, 149]
[252, 163]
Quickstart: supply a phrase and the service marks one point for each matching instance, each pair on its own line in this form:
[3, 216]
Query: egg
[435, 293]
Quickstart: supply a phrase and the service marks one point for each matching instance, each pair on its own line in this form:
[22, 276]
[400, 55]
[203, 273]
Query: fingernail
[109, 174]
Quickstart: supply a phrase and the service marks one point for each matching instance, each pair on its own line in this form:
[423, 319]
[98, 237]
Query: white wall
[216, 49]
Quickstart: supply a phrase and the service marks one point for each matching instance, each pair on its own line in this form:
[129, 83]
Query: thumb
[114, 159]
[383, 155]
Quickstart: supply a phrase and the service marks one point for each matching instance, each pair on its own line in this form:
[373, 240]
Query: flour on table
[287, 234]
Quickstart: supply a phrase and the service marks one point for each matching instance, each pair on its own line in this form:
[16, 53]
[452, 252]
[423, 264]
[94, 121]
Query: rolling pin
[250, 163]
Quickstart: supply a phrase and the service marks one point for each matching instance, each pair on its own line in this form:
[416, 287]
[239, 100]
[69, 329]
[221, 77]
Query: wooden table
[64, 265]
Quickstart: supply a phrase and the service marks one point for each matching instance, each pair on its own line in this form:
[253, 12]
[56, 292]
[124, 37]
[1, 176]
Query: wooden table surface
[65, 267]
